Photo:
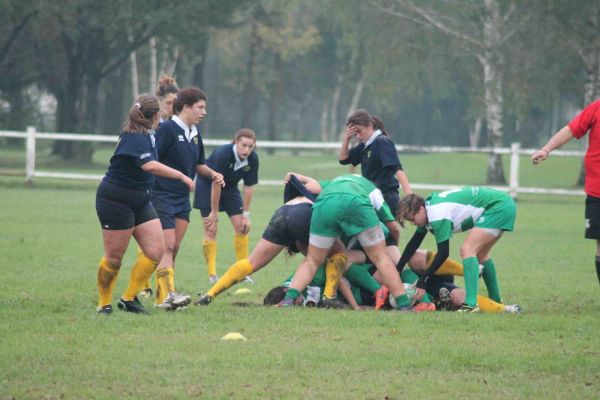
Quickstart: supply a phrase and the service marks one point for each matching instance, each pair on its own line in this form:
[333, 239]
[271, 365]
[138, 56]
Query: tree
[483, 30]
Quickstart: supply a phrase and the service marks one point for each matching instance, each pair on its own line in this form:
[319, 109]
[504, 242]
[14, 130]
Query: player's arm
[411, 247]
[205, 170]
[312, 185]
[210, 222]
[345, 290]
[248, 191]
[558, 140]
[394, 229]
[443, 251]
[344, 153]
[159, 169]
[403, 179]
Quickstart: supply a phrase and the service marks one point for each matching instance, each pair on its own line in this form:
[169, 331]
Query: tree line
[467, 72]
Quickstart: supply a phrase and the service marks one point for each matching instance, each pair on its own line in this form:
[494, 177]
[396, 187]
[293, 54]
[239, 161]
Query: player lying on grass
[485, 212]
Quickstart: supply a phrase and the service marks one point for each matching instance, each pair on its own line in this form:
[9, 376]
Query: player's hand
[218, 178]
[287, 178]
[210, 222]
[419, 293]
[245, 225]
[539, 156]
[350, 131]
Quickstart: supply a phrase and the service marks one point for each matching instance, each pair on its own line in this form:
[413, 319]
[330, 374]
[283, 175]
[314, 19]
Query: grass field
[54, 346]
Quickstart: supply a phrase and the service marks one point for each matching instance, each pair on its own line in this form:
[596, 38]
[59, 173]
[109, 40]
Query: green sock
[471, 266]
[491, 281]
[358, 275]
[402, 301]
[292, 294]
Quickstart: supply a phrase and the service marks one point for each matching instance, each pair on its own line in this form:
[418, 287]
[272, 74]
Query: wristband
[246, 214]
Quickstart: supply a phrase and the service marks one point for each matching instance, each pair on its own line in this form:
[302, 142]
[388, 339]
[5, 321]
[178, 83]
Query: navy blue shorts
[392, 198]
[122, 208]
[231, 203]
[290, 224]
[169, 206]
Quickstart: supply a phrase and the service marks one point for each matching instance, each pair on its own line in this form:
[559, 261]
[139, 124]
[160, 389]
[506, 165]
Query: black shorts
[289, 224]
[122, 208]
[436, 282]
[231, 203]
[592, 217]
[169, 206]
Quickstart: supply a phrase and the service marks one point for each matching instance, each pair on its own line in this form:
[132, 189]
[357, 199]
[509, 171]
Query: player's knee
[467, 251]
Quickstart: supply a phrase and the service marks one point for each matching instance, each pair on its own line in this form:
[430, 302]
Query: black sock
[598, 267]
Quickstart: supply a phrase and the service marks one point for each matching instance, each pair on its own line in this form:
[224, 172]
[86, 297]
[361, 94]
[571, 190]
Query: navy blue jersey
[178, 152]
[133, 150]
[379, 162]
[223, 161]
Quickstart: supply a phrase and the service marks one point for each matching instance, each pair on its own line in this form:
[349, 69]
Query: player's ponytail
[142, 114]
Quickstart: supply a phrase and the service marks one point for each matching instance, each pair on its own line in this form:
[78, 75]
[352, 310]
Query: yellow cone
[233, 336]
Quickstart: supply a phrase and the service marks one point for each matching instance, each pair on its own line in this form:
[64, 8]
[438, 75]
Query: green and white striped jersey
[457, 210]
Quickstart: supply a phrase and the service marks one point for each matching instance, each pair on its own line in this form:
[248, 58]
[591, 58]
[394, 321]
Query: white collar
[238, 163]
[190, 132]
[373, 137]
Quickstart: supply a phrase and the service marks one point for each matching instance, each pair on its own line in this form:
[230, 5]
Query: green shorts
[338, 214]
[500, 216]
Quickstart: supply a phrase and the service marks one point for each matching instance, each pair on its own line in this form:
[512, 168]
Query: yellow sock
[107, 279]
[142, 269]
[209, 248]
[240, 244]
[488, 305]
[449, 267]
[162, 289]
[333, 273]
[234, 274]
[148, 284]
[171, 279]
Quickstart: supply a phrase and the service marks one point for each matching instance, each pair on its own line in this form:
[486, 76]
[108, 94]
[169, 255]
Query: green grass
[54, 346]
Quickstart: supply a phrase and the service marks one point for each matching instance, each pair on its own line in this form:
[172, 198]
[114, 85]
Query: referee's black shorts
[592, 217]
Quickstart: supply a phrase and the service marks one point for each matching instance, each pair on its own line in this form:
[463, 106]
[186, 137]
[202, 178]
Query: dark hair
[244, 132]
[166, 85]
[141, 114]
[187, 97]
[363, 118]
[275, 295]
[408, 205]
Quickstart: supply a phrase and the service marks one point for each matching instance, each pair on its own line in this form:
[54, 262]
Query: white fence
[515, 150]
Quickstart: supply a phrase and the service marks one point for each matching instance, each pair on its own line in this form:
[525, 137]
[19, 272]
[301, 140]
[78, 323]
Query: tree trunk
[492, 61]
[324, 119]
[358, 90]
[135, 83]
[276, 98]
[153, 78]
[249, 93]
[335, 102]
[475, 133]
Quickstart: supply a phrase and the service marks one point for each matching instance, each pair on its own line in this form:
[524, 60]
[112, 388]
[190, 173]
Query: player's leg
[334, 270]
[476, 240]
[262, 254]
[592, 226]
[209, 246]
[150, 239]
[307, 268]
[164, 268]
[115, 245]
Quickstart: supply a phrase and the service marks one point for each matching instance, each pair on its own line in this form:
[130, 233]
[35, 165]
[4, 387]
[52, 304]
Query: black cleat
[334, 303]
[204, 300]
[133, 306]
[104, 310]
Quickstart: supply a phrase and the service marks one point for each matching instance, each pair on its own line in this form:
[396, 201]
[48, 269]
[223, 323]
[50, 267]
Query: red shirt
[589, 120]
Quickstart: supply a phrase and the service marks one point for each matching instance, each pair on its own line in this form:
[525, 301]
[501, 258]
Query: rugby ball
[410, 291]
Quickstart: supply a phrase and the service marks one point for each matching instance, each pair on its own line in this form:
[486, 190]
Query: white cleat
[513, 309]
[175, 301]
